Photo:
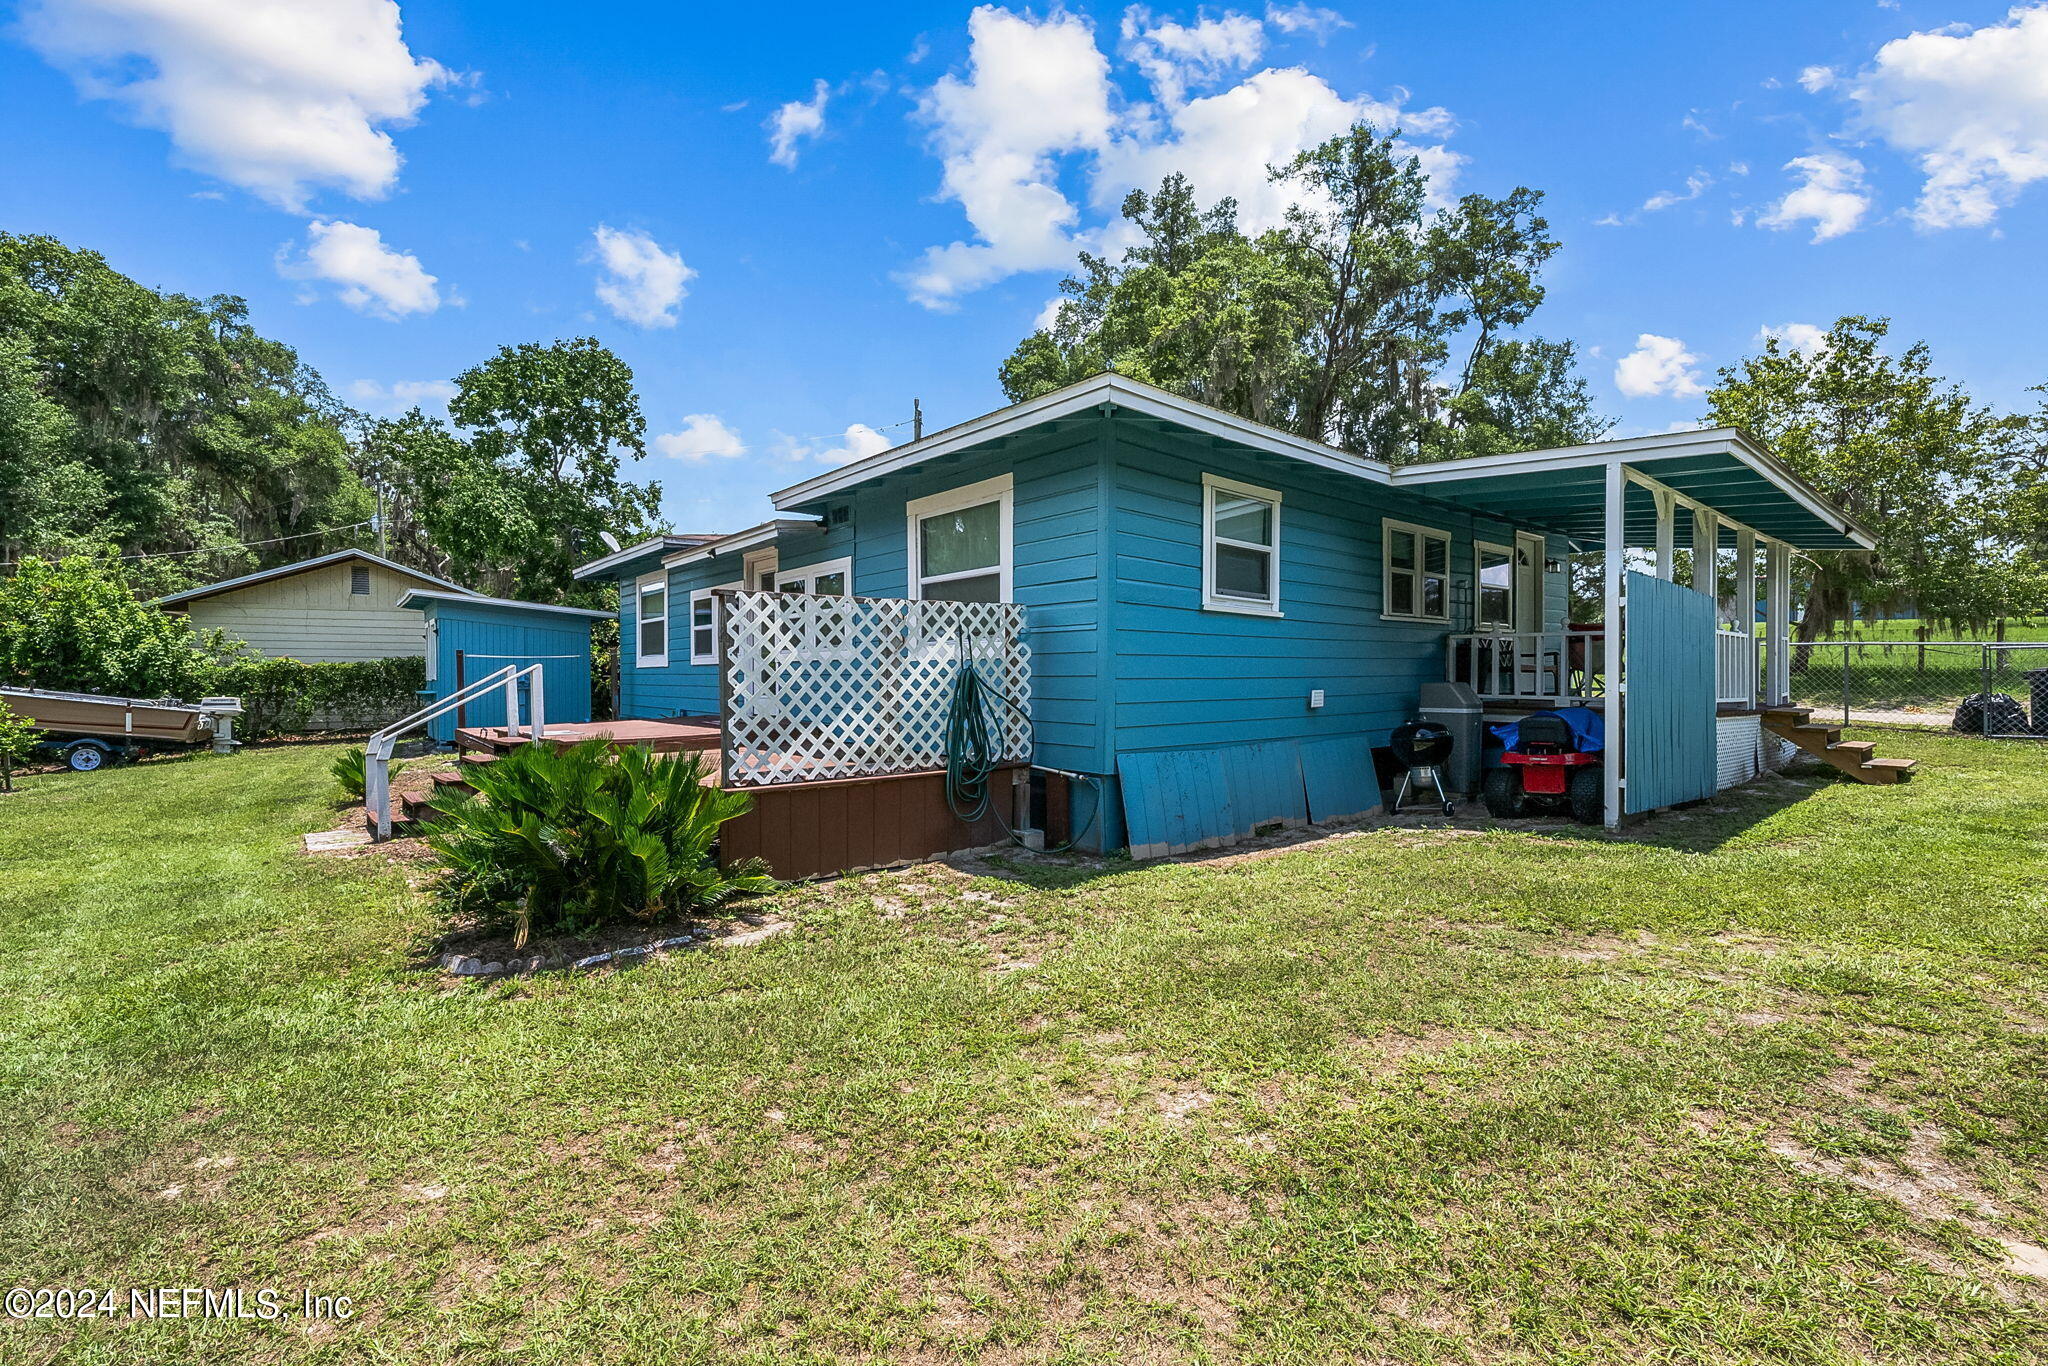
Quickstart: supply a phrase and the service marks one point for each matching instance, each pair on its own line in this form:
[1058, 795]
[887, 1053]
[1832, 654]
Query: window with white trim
[1494, 567]
[1415, 571]
[829, 578]
[650, 621]
[758, 569]
[960, 543]
[1240, 547]
[705, 618]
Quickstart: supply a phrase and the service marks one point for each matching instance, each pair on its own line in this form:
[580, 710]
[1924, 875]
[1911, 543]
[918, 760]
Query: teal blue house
[1226, 621]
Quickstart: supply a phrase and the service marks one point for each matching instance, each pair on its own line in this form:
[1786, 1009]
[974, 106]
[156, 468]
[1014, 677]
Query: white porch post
[1745, 601]
[1706, 550]
[1616, 722]
[1778, 622]
[1667, 524]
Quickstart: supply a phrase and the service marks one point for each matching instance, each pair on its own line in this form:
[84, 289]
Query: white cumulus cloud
[1814, 79]
[1659, 366]
[1034, 88]
[368, 276]
[795, 121]
[704, 436]
[857, 442]
[280, 97]
[1033, 132]
[1695, 185]
[1174, 56]
[1313, 20]
[641, 281]
[400, 395]
[1831, 195]
[1805, 338]
[1970, 106]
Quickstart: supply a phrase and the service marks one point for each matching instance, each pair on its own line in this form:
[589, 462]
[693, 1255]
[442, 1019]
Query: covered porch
[1667, 653]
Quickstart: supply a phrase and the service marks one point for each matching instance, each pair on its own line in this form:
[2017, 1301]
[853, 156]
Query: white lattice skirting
[832, 687]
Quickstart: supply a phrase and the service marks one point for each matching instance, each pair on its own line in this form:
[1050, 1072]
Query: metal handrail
[377, 750]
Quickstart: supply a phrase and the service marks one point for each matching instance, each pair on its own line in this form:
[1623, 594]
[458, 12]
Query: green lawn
[1766, 1081]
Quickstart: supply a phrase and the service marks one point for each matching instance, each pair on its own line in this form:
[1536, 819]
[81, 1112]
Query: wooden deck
[675, 735]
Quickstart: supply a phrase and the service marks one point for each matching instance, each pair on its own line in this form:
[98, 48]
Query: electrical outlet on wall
[1315, 698]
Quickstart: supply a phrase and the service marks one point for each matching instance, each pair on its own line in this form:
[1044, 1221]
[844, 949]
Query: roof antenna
[916, 420]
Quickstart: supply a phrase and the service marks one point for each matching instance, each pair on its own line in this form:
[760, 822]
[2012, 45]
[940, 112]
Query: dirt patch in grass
[494, 943]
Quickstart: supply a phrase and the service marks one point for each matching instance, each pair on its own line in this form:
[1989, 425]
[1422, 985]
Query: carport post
[1615, 548]
[1745, 601]
[1778, 622]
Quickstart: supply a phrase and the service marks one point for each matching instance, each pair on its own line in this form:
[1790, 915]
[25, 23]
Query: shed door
[1528, 583]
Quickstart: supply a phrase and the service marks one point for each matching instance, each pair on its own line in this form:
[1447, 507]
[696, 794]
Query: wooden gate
[1669, 716]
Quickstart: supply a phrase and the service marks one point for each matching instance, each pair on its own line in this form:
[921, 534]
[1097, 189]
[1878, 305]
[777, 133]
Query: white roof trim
[633, 552]
[1731, 441]
[764, 534]
[301, 567]
[1107, 388]
[477, 600]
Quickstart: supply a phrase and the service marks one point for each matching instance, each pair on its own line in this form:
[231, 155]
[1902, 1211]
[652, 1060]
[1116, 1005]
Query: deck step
[1825, 742]
[1816, 732]
[1887, 770]
[1861, 749]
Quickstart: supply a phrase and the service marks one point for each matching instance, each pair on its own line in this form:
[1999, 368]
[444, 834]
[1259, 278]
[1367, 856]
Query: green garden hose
[973, 751]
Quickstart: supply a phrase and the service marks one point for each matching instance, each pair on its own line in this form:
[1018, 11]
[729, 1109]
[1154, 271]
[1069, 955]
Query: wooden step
[1793, 714]
[1860, 749]
[1886, 770]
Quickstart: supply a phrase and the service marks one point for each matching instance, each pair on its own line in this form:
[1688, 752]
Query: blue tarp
[1588, 729]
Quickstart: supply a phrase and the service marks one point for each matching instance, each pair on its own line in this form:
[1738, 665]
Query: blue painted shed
[469, 638]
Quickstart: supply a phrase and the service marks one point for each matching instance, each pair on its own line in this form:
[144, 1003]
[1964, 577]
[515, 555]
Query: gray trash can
[1456, 706]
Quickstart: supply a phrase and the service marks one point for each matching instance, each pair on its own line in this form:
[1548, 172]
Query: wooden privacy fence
[816, 687]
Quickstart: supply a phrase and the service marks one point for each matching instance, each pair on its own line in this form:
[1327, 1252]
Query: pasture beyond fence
[1914, 683]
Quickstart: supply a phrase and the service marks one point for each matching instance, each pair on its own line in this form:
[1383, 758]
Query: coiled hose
[974, 748]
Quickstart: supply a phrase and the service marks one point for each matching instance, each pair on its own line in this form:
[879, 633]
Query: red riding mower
[1552, 764]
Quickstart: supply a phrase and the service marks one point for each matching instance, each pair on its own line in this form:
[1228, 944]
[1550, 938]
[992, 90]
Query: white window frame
[717, 620]
[641, 587]
[806, 575]
[1212, 601]
[754, 561]
[1387, 612]
[1479, 621]
[1000, 491]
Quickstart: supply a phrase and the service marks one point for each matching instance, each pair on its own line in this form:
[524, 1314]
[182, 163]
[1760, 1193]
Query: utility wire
[219, 549]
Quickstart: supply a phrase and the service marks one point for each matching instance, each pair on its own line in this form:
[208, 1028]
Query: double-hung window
[960, 543]
[1415, 568]
[1240, 547]
[650, 619]
[704, 623]
[1496, 574]
[831, 579]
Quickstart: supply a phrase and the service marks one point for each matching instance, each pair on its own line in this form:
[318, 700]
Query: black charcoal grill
[1422, 748]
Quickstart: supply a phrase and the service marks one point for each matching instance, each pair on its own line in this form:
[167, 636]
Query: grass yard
[1766, 1081]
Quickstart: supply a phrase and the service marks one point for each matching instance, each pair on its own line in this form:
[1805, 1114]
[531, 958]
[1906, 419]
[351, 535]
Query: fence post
[1845, 683]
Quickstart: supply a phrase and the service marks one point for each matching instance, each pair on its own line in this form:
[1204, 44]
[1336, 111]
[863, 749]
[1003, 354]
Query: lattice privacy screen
[832, 687]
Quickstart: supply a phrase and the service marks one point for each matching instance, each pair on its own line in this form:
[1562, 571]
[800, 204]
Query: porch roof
[1565, 490]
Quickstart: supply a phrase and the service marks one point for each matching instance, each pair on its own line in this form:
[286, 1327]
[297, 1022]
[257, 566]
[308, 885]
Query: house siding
[1194, 678]
[490, 637]
[312, 616]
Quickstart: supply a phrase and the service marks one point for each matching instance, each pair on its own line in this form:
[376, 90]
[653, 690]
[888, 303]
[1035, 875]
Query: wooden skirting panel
[841, 825]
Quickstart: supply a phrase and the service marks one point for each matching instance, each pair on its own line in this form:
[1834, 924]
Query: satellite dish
[611, 542]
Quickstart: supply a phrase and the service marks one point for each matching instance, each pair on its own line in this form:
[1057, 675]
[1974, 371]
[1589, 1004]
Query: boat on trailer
[87, 729]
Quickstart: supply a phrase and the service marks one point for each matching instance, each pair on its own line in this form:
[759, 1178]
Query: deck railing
[1530, 666]
[1735, 667]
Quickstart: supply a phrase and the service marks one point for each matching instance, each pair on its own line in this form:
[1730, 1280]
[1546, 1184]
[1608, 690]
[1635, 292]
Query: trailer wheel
[1588, 796]
[1502, 793]
[85, 758]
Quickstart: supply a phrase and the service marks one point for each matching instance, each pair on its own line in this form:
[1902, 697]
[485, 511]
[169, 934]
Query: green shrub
[18, 739]
[281, 696]
[351, 770]
[564, 841]
[76, 624]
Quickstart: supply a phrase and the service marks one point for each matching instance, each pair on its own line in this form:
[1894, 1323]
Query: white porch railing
[1735, 667]
[377, 750]
[1531, 666]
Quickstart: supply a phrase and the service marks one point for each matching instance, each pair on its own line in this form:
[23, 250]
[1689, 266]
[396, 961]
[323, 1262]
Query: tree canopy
[1939, 479]
[1368, 320]
[166, 432]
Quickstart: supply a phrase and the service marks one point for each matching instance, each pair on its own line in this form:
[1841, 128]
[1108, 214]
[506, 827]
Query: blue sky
[397, 190]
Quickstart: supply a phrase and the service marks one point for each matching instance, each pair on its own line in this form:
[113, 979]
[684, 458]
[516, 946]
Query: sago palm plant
[567, 840]
[351, 772]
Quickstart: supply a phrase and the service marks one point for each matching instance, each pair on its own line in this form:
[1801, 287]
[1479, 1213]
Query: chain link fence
[1977, 687]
